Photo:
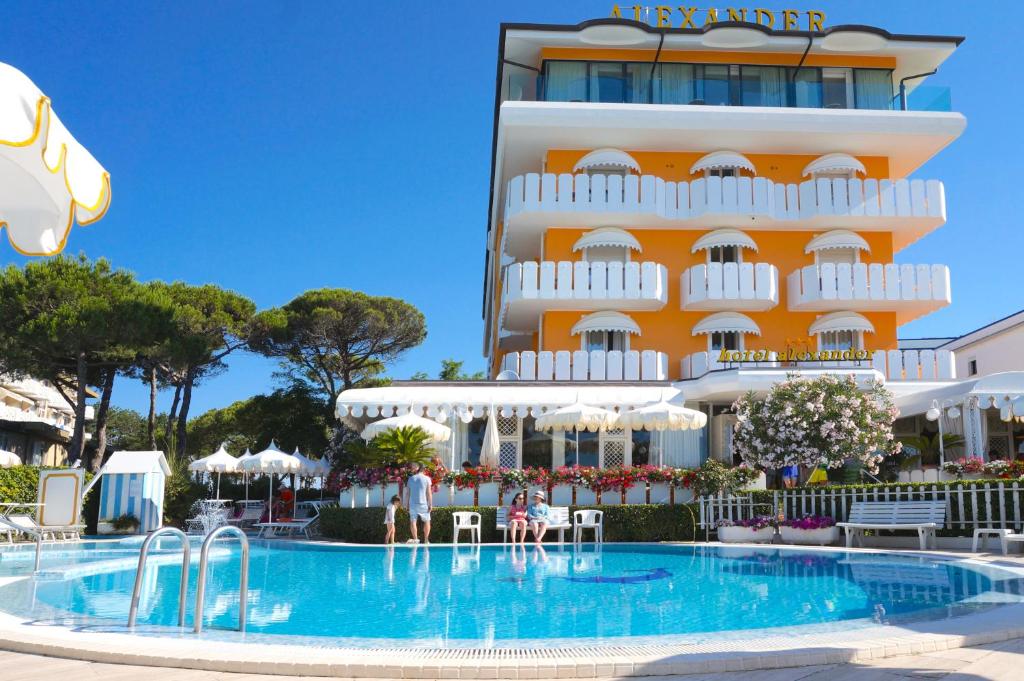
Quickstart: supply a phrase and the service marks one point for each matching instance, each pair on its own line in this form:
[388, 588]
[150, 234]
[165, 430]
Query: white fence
[581, 365]
[714, 286]
[757, 196]
[561, 495]
[895, 365]
[867, 286]
[968, 506]
[586, 280]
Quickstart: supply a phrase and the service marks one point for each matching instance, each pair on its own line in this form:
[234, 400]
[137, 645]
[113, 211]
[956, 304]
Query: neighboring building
[692, 214]
[36, 422]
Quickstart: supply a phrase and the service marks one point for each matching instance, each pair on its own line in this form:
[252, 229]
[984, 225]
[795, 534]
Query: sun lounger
[250, 515]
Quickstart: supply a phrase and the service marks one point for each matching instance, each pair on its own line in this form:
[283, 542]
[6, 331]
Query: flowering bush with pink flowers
[758, 522]
[965, 465]
[810, 522]
[824, 421]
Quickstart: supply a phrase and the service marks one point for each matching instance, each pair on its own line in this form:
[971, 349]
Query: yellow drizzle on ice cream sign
[667, 16]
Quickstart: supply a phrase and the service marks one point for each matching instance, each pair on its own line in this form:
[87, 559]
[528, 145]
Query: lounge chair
[291, 527]
[249, 516]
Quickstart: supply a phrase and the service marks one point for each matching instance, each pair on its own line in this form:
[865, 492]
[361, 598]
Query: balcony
[894, 365]
[907, 208]
[632, 365]
[531, 288]
[730, 286]
[908, 290]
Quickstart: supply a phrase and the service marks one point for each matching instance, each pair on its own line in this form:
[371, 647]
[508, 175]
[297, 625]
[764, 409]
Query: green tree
[398, 447]
[293, 417]
[75, 323]
[335, 339]
[209, 323]
[126, 430]
[451, 370]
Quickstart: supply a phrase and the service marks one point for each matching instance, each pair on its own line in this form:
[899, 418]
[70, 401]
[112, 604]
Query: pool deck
[991, 640]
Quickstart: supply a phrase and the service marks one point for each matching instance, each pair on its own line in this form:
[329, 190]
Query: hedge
[629, 523]
[21, 484]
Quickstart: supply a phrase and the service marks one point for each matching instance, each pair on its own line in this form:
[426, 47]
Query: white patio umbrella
[325, 469]
[662, 416]
[48, 181]
[438, 432]
[308, 468]
[271, 460]
[245, 474]
[218, 462]
[490, 449]
[577, 416]
[9, 459]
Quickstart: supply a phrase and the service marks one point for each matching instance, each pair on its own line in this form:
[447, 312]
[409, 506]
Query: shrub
[125, 523]
[628, 523]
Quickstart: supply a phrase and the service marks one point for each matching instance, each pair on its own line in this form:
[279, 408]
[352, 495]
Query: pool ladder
[204, 555]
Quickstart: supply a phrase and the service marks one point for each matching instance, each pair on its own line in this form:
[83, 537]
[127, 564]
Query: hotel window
[972, 367]
[724, 340]
[724, 254]
[722, 172]
[606, 254]
[838, 256]
[537, 445]
[763, 85]
[840, 340]
[605, 341]
[837, 88]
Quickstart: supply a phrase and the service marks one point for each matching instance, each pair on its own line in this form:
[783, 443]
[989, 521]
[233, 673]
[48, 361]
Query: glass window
[607, 83]
[475, 440]
[724, 254]
[588, 453]
[762, 86]
[606, 254]
[972, 367]
[713, 88]
[674, 84]
[872, 88]
[724, 340]
[806, 89]
[565, 81]
[537, 445]
[839, 340]
[638, 83]
[839, 255]
[604, 340]
[641, 447]
[721, 172]
[835, 88]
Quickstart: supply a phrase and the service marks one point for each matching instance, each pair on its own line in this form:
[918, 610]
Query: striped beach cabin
[133, 484]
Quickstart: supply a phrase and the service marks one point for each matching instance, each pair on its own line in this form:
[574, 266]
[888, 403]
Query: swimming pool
[496, 596]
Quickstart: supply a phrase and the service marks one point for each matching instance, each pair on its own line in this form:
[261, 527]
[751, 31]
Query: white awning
[607, 236]
[469, 400]
[606, 158]
[606, 321]
[726, 321]
[830, 163]
[724, 237]
[840, 321]
[1004, 391]
[723, 159]
[836, 238]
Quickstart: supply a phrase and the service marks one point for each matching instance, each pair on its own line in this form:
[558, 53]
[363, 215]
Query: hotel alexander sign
[793, 355]
[667, 16]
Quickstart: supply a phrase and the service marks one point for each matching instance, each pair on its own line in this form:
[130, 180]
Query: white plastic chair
[466, 520]
[588, 520]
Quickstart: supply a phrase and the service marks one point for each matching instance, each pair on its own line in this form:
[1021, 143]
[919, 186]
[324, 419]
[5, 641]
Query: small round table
[984, 533]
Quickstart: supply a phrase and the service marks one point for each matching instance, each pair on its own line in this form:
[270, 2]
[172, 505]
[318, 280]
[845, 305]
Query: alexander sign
[667, 16]
[793, 355]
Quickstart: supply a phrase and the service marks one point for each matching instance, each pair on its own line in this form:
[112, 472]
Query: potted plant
[757, 530]
[817, 530]
[969, 467]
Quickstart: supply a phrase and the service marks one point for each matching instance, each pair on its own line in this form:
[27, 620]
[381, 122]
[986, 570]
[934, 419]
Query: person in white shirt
[420, 501]
[389, 519]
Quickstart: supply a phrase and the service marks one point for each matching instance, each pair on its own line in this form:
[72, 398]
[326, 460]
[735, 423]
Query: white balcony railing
[894, 365]
[876, 286]
[597, 365]
[836, 201]
[730, 286]
[531, 287]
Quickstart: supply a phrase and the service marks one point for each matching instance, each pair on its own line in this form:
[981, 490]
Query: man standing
[419, 502]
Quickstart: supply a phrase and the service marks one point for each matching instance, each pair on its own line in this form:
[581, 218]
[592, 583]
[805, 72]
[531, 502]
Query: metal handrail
[243, 580]
[133, 611]
[12, 527]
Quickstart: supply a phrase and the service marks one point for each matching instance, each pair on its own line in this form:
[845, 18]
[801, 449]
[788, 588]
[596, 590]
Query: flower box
[736, 534]
[817, 537]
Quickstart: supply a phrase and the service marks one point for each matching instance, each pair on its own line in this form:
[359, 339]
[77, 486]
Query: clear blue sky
[273, 147]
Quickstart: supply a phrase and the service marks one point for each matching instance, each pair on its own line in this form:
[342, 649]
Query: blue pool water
[497, 595]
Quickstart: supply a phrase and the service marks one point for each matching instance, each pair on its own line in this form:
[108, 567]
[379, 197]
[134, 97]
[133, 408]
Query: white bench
[559, 521]
[923, 516]
[1007, 538]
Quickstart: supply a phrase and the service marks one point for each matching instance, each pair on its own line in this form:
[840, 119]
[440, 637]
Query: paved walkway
[996, 662]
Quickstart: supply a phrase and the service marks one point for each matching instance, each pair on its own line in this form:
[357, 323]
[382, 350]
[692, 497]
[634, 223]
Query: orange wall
[718, 57]
[668, 330]
[674, 166]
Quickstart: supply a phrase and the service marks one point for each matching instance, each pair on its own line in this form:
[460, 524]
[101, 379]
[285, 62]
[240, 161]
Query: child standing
[389, 519]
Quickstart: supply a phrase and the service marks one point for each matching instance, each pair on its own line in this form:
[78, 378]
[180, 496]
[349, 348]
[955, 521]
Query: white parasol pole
[218, 485]
[270, 499]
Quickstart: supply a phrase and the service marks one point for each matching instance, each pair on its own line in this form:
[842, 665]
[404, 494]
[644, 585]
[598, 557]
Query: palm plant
[927, 446]
[398, 447]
